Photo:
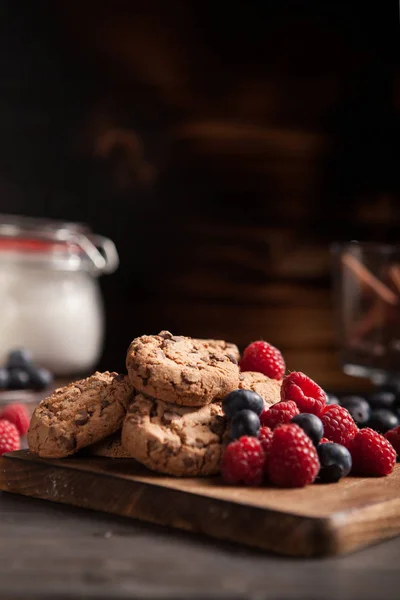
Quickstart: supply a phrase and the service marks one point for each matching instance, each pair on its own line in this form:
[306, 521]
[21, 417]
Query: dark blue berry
[359, 409]
[396, 405]
[18, 379]
[39, 378]
[382, 399]
[311, 425]
[393, 386]
[335, 462]
[4, 377]
[382, 420]
[245, 422]
[19, 359]
[240, 400]
[331, 399]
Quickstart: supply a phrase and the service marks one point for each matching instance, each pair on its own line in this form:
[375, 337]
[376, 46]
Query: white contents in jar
[55, 314]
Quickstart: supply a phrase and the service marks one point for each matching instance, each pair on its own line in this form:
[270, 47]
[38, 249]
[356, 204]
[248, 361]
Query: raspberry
[9, 437]
[279, 414]
[265, 437]
[292, 460]
[372, 454]
[324, 441]
[394, 438]
[309, 397]
[243, 462]
[339, 425]
[264, 358]
[18, 416]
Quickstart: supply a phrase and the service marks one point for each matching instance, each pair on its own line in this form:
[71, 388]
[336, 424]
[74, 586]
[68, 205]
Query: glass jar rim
[55, 244]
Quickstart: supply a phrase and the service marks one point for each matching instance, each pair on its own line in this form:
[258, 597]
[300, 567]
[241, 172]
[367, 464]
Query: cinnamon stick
[366, 277]
[394, 274]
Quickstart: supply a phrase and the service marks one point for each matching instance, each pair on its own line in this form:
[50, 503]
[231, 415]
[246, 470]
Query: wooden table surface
[56, 552]
[50, 551]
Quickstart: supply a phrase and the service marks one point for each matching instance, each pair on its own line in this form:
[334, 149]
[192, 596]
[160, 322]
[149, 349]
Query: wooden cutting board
[314, 521]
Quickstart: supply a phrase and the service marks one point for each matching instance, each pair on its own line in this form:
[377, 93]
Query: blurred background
[222, 147]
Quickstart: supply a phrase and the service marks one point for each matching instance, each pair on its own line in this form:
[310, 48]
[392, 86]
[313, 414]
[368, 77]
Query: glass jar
[50, 301]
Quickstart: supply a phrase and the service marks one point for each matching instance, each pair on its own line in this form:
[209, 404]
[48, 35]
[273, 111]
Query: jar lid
[55, 244]
[32, 245]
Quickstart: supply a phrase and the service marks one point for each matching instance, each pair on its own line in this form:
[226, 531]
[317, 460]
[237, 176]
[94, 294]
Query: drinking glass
[366, 278]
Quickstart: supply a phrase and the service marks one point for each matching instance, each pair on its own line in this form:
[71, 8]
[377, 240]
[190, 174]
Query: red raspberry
[265, 437]
[309, 397]
[293, 459]
[279, 414]
[243, 462]
[394, 438]
[264, 358]
[372, 454]
[18, 416]
[9, 437]
[339, 425]
[324, 441]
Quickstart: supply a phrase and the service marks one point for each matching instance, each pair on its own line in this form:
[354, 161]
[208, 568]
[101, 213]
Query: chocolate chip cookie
[110, 447]
[268, 389]
[180, 369]
[79, 414]
[173, 439]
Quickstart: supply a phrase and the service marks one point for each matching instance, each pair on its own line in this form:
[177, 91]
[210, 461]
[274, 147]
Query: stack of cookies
[166, 413]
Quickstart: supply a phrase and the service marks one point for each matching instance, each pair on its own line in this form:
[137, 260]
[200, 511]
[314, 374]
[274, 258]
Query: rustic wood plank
[315, 521]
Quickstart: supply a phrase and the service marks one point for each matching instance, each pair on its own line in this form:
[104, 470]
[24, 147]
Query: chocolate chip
[81, 417]
[176, 338]
[153, 445]
[166, 335]
[232, 359]
[153, 410]
[68, 442]
[190, 375]
[216, 357]
[146, 376]
[218, 425]
[103, 405]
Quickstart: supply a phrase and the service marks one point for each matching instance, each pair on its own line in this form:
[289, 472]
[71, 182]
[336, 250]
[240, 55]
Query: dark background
[222, 146]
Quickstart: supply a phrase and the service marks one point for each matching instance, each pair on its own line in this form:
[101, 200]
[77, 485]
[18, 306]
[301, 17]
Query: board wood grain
[315, 521]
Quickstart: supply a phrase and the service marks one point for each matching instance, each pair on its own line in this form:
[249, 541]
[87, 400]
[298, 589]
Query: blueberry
[19, 359]
[18, 379]
[240, 400]
[382, 420]
[331, 399]
[39, 378]
[245, 422]
[393, 386]
[335, 462]
[396, 405]
[359, 409]
[311, 425]
[4, 377]
[382, 399]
